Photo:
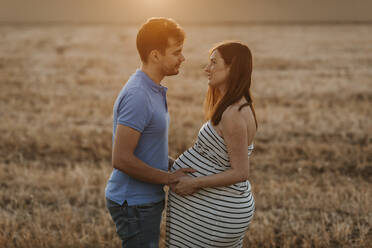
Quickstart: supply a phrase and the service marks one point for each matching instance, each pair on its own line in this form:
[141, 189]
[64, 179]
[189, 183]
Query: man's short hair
[154, 35]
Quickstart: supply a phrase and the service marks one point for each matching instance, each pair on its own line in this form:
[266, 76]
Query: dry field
[311, 170]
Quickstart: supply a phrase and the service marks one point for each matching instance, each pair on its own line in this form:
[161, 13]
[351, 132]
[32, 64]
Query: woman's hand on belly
[185, 186]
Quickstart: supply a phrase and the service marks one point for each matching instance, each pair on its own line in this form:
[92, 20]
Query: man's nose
[182, 58]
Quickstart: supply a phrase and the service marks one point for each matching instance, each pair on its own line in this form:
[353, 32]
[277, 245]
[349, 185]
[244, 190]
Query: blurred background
[191, 11]
[62, 64]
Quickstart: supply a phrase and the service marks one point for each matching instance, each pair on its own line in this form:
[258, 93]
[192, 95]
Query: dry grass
[311, 171]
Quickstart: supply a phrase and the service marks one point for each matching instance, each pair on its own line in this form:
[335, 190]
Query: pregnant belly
[192, 159]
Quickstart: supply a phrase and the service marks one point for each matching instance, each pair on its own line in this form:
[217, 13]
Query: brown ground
[311, 170]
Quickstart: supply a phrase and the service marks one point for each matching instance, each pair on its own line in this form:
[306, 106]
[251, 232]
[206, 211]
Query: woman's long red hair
[239, 58]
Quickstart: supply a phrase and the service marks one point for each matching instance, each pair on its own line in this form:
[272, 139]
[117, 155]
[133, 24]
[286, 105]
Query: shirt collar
[150, 83]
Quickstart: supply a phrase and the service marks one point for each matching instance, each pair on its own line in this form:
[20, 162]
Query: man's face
[171, 60]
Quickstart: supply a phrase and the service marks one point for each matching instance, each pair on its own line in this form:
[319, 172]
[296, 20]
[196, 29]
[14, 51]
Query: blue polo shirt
[141, 105]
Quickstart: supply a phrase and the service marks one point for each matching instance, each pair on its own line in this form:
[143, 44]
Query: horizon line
[189, 23]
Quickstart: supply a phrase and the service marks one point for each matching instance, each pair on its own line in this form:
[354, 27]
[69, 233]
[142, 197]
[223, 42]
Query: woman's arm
[234, 129]
[170, 162]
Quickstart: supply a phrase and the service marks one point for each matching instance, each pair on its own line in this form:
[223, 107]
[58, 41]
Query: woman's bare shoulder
[235, 118]
[232, 119]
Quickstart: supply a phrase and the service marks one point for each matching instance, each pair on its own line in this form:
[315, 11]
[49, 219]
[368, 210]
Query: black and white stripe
[212, 217]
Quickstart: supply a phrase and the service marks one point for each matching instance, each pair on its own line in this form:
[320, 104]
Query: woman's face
[217, 71]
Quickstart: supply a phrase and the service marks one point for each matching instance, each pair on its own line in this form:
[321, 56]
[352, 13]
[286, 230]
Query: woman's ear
[228, 68]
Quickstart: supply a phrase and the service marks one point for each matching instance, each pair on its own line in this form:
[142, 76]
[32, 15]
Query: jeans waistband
[125, 204]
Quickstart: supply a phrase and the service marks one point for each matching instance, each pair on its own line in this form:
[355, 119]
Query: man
[134, 192]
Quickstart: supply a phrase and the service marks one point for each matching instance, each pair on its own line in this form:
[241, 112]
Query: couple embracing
[210, 203]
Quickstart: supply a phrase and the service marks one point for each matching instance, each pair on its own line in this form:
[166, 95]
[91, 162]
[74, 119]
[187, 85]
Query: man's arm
[123, 159]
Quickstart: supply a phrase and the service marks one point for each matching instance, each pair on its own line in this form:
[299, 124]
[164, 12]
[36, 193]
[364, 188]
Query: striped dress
[212, 217]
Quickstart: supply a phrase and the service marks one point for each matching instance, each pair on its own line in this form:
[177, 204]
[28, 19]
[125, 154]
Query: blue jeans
[137, 226]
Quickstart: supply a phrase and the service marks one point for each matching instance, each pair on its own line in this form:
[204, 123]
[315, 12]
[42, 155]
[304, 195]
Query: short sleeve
[135, 110]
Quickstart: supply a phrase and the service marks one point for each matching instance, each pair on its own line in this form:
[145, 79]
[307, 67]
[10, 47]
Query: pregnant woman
[214, 206]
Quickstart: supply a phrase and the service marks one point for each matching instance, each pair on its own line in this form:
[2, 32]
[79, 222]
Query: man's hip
[138, 225]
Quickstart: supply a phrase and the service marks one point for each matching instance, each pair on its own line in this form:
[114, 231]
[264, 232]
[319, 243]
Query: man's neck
[152, 73]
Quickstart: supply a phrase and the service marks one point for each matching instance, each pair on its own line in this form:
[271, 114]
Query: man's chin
[172, 73]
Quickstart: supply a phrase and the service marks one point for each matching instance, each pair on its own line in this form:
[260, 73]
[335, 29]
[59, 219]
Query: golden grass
[311, 170]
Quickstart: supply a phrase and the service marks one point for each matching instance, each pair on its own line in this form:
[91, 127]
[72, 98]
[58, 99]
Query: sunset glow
[64, 62]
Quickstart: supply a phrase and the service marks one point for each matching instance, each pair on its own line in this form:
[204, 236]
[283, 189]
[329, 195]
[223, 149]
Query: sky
[185, 11]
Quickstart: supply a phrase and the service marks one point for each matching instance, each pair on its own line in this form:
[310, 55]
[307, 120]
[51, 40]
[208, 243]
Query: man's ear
[154, 56]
